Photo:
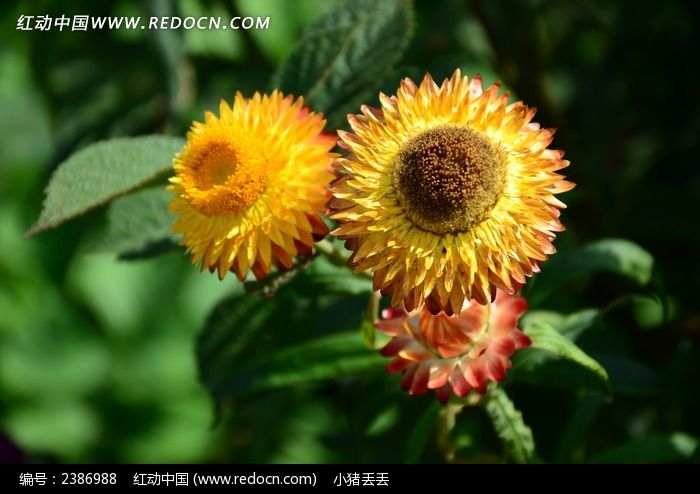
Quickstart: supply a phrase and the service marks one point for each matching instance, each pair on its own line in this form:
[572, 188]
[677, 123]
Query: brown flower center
[448, 178]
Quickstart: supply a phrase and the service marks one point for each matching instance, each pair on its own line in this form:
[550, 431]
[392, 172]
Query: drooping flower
[457, 353]
[447, 193]
[250, 185]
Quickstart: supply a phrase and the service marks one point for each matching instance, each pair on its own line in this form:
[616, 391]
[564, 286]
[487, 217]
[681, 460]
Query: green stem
[327, 249]
[371, 315]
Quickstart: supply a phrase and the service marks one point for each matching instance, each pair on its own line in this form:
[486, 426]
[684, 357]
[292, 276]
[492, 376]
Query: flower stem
[328, 250]
[371, 315]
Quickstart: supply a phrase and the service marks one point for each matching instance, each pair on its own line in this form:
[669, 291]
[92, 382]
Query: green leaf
[383, 421]
[670, 448]
[139, 223]
[572, 438]
[510, 427]
[420, 434]
[269, 285]
[253, 342]
[545, 337]
[103, 171]
[230, 328]
[331, 279]
[347, 52]
[574, 325]
[616, 256]
[321, 275]
[64, 428]
[571, 325]
[541, 369]
[539, 366]
[329, 357]
[630, 377]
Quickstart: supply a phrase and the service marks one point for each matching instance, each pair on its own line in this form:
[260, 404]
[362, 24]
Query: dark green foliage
[340, 61]
[241, 349]
[138, 224]
[106, 360]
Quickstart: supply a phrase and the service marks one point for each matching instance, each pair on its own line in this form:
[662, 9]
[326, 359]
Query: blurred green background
[97, 354]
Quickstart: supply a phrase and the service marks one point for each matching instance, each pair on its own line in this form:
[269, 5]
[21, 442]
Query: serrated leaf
[545, 337]
[616, 256]
[670, 448]
[346, 52]
[337, 118]
[510, 427]
[138, 223]
[101, 172]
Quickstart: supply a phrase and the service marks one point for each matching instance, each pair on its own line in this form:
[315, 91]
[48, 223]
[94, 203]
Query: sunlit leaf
[569, 325]
[613, 255]
[103, 171]
[545, 337]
